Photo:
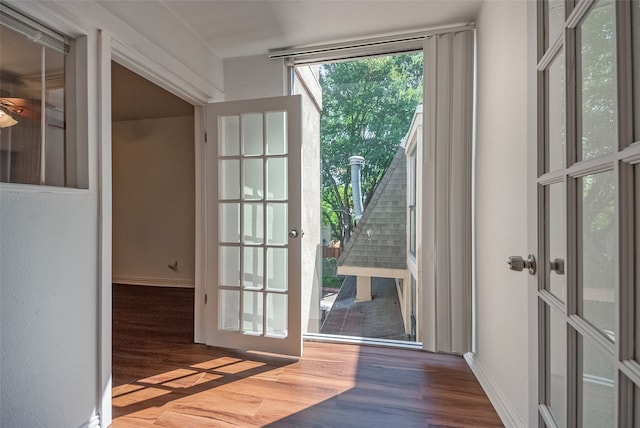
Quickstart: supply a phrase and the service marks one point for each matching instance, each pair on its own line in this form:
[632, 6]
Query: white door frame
[112, 49]
[532, 207]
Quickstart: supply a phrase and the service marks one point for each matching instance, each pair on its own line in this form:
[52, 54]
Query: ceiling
[233, 28]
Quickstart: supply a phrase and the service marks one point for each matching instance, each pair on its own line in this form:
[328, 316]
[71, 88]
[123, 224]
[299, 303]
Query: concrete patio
[380, 317]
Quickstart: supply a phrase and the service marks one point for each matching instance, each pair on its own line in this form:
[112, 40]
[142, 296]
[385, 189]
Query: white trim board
[372, 272]
[94, 422]
[501, 403]
[364, 341]
[154, 282]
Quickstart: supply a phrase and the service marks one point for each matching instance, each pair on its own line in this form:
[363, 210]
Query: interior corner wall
[154, 201]
[501, 202]
[254, 77]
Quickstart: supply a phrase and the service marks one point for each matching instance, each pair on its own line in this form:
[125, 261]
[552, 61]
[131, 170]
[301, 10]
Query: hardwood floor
[162, 379]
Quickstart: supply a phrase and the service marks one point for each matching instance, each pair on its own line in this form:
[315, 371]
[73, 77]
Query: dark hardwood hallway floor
[160, 378]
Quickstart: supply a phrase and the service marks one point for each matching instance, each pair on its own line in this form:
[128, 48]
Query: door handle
[518, 264]
[557, 266]
[293, 233]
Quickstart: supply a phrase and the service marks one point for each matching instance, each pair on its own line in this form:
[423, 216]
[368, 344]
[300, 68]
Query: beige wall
[154, 201]
[500, 221]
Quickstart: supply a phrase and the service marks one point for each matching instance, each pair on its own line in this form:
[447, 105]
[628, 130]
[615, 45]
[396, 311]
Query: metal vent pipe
[356, 163]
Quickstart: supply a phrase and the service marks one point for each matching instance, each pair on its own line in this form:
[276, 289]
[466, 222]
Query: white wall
[48, 298]
[154, 201]
[501, 203]
[254, 77]
[49, 263]
[55, 271]
[307, 84]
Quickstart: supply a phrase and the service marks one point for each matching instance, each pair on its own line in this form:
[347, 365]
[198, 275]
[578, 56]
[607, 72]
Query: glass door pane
[276, 319]
[556, 115]
[229, 138]
[555, 18]
[276, 133]
[253, 268]
[276, 179]
[597, 383]
[556, 240]
[557, 367]
[597, 255]
[245, 172]
[596, 82]
[252, 179]
[252, 135]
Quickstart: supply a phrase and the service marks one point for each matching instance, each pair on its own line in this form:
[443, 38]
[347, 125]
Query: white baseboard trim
[94, 422]
[503, 406]
[154, 282]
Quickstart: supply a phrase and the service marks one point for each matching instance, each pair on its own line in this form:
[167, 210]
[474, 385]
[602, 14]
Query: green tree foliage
[368, 105]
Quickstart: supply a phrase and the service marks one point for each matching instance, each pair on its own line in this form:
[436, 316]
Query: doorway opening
[370, 109]
[153, 164]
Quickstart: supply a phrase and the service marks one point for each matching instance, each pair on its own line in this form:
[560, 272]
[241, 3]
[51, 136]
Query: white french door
[253, 225]
[588, 192]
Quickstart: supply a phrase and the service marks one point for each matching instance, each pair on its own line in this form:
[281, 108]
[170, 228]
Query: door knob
[557, 266]
[293, 233]
[519, 264]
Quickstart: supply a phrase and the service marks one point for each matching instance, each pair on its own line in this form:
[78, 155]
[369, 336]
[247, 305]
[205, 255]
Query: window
[37, 94]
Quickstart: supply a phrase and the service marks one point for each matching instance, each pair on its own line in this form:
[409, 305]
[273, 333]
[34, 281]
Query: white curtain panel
[446, 234]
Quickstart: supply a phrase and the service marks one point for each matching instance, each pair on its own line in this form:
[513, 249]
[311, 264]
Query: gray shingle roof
[380, 238]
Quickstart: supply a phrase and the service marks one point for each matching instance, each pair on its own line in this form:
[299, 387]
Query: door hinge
[205, 299]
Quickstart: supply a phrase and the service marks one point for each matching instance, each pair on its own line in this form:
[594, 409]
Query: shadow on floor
[161, 378]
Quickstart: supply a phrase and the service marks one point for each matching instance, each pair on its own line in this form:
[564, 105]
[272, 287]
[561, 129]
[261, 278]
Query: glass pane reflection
[556, 152]
[597, 387]
[555, 15]
[557, 376]
[596, 92]
[557, 237]
[597, 215]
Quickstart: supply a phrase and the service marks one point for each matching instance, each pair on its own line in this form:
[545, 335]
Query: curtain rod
[364, 43]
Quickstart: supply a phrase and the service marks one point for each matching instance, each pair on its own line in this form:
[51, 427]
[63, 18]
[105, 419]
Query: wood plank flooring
[162, 379]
